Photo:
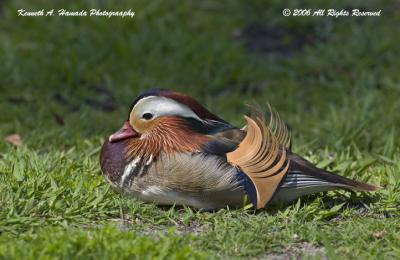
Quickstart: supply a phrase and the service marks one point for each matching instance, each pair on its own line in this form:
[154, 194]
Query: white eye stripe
[162, 106]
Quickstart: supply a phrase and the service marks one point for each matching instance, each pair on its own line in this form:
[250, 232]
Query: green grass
[67, 83]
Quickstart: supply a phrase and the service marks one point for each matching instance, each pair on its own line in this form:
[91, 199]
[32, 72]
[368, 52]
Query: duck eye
[147, 116]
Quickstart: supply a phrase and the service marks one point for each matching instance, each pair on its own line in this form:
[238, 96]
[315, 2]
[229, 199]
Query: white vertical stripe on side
[129, 169]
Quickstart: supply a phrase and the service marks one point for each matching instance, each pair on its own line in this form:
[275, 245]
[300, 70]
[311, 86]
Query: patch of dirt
[147, 228]
[16, 100]
[280, 40]
[194, 227]
[298, 251]
[60, 99]
[100, 99]
[103, 99]
[63, 101]
[104, 105]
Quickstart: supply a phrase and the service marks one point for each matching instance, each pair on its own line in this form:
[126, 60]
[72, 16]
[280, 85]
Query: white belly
[204, 200]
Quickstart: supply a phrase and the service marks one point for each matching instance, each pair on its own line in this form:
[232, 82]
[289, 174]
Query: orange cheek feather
[143, 126]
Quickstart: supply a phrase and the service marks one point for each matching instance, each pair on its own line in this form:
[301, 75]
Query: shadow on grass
[327, 207]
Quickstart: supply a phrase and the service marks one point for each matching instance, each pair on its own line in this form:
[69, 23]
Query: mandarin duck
[172, 150]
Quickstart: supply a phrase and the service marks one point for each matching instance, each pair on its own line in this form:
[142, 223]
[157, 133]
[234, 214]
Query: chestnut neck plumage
[169, 135]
